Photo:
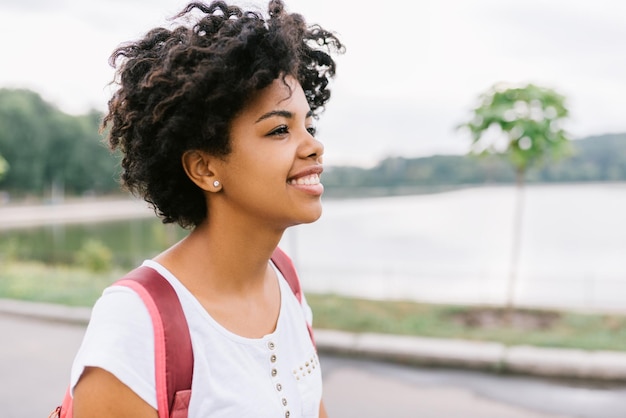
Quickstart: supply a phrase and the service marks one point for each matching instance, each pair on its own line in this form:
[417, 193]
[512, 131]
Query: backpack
[173, 353]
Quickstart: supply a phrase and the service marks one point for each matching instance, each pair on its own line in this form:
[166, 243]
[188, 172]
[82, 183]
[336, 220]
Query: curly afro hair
[180, 88]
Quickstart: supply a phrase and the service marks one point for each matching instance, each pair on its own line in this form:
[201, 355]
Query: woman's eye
[281, 130]
[312, 130]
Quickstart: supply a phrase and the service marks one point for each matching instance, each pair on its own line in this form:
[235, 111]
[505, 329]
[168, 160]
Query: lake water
[456, 247]
[446, 247]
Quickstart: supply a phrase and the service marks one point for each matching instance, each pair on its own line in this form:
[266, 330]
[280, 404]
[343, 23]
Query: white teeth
[306, 181]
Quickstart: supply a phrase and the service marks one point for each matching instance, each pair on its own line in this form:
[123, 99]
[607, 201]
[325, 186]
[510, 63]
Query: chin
[313, 219]
[311, 216]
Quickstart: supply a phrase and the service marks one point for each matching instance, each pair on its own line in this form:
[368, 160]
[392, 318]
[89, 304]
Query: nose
[312, 147]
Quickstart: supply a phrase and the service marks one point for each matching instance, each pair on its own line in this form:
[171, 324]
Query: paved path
[366, 389]
[36, 357]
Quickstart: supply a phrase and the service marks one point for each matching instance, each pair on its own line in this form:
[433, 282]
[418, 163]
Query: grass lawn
[56, 284]
[529, 327]
[80, 287]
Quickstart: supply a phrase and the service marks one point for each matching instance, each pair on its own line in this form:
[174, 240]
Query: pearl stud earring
[216, 183]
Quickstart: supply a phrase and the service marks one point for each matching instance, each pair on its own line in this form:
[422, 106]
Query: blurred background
[413, 73]
[475, 157]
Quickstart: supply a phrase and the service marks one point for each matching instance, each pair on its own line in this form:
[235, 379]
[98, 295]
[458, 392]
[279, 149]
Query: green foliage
[523, 123]
[599, 158]
[94, 256]
[9, 250]
[47, 148]
[4, 167]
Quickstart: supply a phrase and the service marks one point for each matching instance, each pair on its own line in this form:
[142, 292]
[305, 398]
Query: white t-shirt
[275, 376]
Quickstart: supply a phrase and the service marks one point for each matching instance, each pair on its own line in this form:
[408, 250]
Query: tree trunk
[517, 239]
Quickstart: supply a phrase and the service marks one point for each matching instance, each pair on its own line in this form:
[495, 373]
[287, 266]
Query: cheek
[258, 173]
[271, 163]
[260, 161]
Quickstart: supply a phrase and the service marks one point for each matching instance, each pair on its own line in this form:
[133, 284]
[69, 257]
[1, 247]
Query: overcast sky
[412, 71]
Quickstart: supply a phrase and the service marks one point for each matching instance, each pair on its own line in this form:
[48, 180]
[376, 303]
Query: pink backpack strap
[173, 351]
[284, 264]
[65, 409]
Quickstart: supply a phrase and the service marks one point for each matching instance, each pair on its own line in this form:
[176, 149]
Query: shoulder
[120, 340]
[120, 310]
[117, 300]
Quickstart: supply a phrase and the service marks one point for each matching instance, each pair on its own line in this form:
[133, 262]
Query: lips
[308, 180]
[307, 177]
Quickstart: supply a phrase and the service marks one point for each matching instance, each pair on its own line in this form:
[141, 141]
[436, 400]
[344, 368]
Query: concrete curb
[428, 352]
[46, 311]
[490, 356]
[415, 350]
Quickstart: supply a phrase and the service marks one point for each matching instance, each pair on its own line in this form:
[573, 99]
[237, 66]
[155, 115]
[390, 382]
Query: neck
[222, 257]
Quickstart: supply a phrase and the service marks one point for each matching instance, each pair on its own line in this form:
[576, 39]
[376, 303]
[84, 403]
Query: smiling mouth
[310, 180]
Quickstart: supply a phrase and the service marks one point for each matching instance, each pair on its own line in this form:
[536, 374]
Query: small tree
[523, 124]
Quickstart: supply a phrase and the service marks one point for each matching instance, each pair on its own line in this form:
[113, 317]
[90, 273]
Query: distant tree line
[593, 159]
[46, 149]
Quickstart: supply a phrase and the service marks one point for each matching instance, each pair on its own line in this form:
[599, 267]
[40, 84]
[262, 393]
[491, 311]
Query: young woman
[215, 120]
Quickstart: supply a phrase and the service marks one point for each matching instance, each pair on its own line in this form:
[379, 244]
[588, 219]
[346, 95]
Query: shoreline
[445, 263]
[72, 212]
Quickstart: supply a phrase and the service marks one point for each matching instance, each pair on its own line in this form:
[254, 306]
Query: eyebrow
[280, 113]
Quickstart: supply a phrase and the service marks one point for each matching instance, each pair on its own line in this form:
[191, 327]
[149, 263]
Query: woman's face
[272, 175]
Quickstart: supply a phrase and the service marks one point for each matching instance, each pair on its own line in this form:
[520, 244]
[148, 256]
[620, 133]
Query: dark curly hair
[179, 89]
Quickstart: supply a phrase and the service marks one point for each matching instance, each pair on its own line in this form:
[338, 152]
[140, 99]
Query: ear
[200, 169]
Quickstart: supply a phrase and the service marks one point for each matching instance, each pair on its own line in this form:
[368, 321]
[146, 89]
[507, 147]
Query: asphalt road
[36, 358]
